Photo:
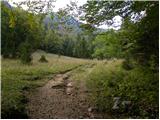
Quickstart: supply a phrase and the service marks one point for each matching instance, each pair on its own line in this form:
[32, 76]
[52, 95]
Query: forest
[113, 72]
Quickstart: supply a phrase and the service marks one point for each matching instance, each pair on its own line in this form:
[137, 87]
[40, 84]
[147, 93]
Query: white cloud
[116, 25]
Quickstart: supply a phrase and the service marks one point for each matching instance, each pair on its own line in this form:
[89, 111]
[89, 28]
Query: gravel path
[60, 98]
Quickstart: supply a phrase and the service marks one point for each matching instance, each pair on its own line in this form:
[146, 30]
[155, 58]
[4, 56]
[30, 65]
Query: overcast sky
[62, 3]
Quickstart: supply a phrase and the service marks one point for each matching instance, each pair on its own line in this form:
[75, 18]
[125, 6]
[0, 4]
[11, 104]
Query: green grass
[106, 80]
[17, 78]
[138, 85]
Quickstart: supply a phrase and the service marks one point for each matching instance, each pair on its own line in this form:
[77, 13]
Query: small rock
[65, 76]
[80, 117]
[68, 91]
[59, 75]
[90, 115]
[90, 109]
[58, 85]
[69, 85]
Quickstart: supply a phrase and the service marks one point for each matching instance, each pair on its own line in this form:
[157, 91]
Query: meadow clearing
[17, 77]
[88, 59]
[95, 85]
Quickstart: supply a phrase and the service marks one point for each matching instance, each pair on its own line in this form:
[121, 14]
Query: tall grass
[139, 85]
[17, 78]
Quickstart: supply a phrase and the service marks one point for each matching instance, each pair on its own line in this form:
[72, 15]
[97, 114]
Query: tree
[107, 45]
[140, 31]
[81, 47]
[67, 46]
[18, 28]
[51, 43]
[25, 53]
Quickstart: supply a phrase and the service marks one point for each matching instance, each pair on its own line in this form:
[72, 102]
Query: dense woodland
[137, 38]
[136, 42]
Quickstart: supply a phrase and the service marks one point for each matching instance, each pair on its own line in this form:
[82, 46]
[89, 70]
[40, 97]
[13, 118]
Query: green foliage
[102, 83]
[97, 12]
[139, 32]
[25, 53]
[140, 40]
[52, 42]
[138, 85]
[153, 63]
[136, 79]
[127, 64]
[81, 47]
[43, 59]
[77, 46]
[107, 45]
[18, 26]
[68, 46]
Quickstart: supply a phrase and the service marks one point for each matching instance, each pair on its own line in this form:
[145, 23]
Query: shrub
[103, 82]
[153, 63]
[43, 59]
[139, 85]
[25, 53]
[127, 64]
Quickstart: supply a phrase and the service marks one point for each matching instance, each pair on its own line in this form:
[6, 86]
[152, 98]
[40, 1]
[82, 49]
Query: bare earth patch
[61, 97]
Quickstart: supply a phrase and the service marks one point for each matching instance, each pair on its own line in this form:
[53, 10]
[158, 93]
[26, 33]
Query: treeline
[24, 32]
[139, 34]
[21, 33]
[57, 43]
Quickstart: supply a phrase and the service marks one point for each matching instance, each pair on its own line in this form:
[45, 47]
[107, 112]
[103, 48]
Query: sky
[58, 4]
[63, 3]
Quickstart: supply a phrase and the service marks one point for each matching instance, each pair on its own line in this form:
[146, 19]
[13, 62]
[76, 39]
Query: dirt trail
[61, 98]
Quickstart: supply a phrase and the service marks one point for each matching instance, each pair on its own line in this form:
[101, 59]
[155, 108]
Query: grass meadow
[17, 78]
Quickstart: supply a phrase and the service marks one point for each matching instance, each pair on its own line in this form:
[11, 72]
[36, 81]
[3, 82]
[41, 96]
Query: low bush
[127, 64]
[43, 59]
[138, 85]
[25, 53]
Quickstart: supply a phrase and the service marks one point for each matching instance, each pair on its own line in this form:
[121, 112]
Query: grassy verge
[16, 78]
[139, 85]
